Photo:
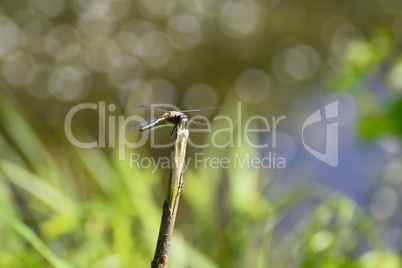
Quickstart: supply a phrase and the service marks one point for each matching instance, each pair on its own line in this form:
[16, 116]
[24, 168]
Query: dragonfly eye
[183, 117]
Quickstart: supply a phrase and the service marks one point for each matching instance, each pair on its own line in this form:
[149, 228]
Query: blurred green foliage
[387, 122]
[64, 206]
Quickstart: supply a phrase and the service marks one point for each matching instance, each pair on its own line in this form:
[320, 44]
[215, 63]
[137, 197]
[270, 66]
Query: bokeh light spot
[101, 55]
[146, 41]
[253, 86]
[383, 203]
[156, 8]
[184, 31]
[302, 62]
[154, 49]
[59, 39]
[239, 18]
[297, 63]
[200, 6]
[9, 36]
[69, 83]
[374, 259]
[162, 90]
[185, 23]
[131, 32]
[322, 240]
[341, 40]
[393, 172]
[394, 77]
[200, 96]
[390, 145]
[48, 8]
[17, 68]
[96, 20]
[35, 33]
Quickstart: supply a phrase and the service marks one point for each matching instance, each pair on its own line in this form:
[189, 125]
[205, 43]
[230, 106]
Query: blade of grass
[23, 136]
[26, 233]
[38, 188]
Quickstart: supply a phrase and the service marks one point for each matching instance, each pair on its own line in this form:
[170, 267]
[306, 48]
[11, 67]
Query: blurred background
[65, 206]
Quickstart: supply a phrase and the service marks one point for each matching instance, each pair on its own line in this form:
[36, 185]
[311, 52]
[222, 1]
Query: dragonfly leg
[173, 131]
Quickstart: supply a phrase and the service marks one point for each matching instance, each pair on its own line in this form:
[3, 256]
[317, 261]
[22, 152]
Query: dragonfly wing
[149, 108]
[199, 110]
[145, 122]
[197, 123]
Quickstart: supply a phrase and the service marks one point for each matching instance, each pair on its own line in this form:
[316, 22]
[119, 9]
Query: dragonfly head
[182, 118]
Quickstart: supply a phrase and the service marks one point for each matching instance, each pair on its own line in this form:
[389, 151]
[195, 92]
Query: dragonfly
[169, 118]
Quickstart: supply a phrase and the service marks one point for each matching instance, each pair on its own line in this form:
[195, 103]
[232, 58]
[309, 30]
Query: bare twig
[172, 199]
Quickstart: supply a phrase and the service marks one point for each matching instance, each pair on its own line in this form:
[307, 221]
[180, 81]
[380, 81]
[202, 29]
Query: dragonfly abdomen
[156, 124]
